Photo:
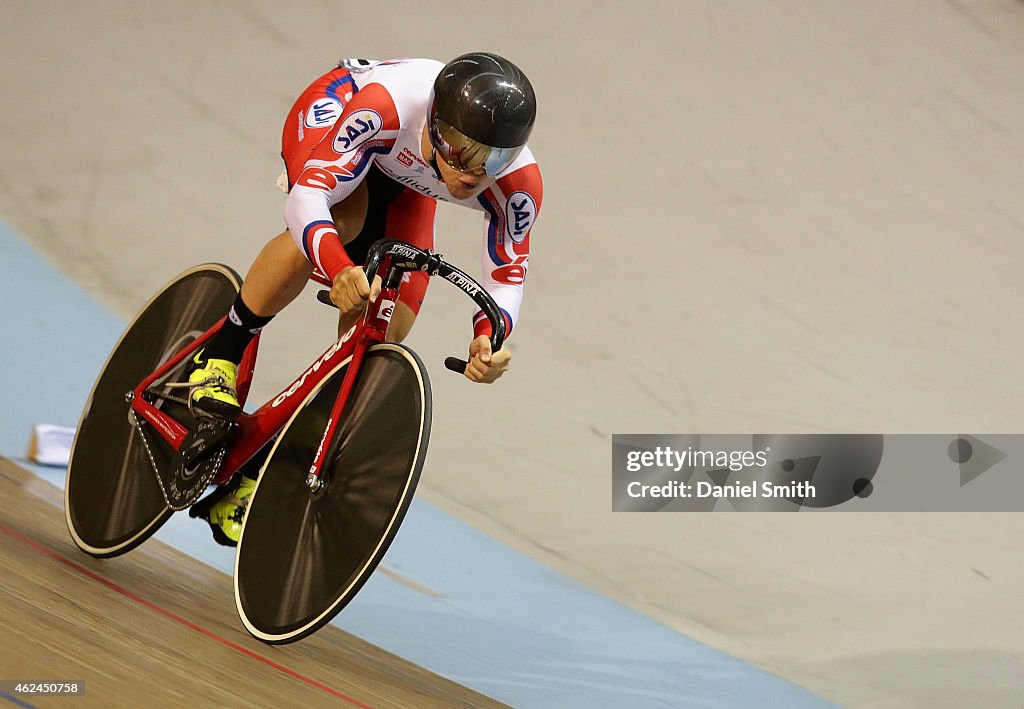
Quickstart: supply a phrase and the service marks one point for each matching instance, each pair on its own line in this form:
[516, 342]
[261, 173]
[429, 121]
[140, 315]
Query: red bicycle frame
[256, 429]
[388, 259]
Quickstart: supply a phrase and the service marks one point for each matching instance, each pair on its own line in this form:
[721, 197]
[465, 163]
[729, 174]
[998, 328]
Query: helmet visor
[462, 153]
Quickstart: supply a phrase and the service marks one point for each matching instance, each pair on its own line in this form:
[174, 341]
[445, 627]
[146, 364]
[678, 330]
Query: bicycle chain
[139, 423]
[191, 386]
[170, 397]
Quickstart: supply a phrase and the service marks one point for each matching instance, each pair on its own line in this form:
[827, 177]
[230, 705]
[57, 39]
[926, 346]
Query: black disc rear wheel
[112, 499]
[302, 555]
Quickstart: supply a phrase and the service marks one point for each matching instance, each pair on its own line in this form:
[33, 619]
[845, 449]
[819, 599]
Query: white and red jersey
[384, 108]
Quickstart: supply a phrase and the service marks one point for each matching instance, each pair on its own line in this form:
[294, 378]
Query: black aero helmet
[482, 112]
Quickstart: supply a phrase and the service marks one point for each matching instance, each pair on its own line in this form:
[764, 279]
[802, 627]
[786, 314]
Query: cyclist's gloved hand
[351, 290]
[484, 366]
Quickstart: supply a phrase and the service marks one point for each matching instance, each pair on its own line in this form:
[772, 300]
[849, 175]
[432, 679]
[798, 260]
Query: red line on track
[152, 606]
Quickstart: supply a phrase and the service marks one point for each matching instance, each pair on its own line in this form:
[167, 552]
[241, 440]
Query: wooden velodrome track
[156, 627]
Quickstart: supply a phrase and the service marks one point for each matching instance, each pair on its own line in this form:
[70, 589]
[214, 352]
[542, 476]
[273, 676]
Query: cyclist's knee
[285, 248]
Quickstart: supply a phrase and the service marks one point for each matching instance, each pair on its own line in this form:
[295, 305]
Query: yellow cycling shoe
[214, 394]
[226, 515]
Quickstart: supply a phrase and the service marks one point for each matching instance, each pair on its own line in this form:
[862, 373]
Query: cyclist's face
[461, 185]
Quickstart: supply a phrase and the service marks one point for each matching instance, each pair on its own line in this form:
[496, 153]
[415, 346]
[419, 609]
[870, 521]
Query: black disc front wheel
[112, 499]
[303, 556]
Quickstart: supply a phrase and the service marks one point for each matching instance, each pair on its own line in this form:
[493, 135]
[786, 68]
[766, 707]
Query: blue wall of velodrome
[485, 616]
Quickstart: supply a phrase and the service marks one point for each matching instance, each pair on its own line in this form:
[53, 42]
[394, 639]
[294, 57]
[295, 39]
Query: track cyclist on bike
[369, 148]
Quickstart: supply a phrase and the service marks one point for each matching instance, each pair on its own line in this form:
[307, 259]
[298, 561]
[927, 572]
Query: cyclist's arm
[368, 126]
[511, 207]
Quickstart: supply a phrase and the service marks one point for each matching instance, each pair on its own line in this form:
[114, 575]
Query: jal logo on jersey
[356, 130]
[323, 113]
[520, 211]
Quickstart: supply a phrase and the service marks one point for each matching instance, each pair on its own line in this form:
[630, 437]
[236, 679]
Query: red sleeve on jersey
[482, 326]
[511, 204]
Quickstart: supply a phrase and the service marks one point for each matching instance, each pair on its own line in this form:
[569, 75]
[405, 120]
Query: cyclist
[369, 148]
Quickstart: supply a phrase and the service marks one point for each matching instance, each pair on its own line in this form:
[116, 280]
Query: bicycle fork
[378, 317]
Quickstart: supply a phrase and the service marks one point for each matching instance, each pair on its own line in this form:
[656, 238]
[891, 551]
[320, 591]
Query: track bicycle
[339, 451]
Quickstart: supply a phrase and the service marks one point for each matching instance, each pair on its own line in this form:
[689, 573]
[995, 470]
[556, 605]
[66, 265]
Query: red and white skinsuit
[373, 113]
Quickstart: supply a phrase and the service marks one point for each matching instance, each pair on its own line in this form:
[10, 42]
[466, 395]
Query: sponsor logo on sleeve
[513, 273]
[520, 211]
[318, 179]
[322, 113]
[355, 130]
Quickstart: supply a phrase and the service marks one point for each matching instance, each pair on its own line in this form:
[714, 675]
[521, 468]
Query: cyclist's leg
[276, 277]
